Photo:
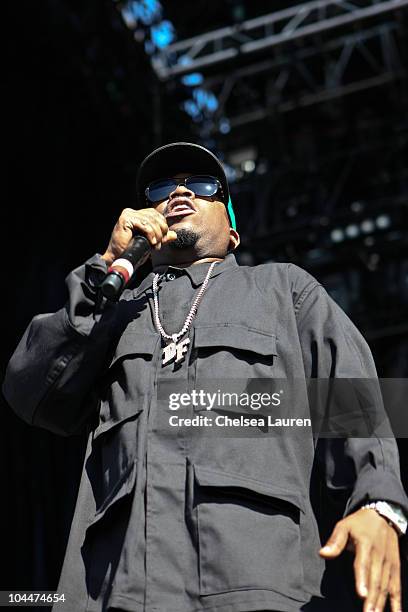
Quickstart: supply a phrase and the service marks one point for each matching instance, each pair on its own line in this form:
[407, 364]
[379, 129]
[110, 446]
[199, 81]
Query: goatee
[185, 238]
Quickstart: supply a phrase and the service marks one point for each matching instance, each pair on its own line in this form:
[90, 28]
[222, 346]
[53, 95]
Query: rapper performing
[205, 345]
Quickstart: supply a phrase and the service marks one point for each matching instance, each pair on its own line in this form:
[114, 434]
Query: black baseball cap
[168, 160]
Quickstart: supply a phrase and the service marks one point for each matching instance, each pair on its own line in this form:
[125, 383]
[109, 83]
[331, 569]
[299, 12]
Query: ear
[234, 240]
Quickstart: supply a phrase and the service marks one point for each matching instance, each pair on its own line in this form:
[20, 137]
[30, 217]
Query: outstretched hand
[377, 562]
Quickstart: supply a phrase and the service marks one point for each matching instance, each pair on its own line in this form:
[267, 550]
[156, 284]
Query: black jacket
[173, 518]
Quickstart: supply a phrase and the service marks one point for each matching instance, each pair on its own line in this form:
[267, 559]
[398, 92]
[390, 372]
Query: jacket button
[171, 276]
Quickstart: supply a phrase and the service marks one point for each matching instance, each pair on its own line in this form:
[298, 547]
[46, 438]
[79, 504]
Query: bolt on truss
[264, 32]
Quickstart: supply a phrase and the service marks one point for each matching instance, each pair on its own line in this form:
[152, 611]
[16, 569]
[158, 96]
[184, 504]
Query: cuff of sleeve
[95, 271]
[374, 483]
[84, 306]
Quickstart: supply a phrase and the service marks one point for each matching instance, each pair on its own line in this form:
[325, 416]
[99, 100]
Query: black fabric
[178, 519]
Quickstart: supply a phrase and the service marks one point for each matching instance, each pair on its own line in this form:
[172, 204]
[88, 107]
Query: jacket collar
[196, 272]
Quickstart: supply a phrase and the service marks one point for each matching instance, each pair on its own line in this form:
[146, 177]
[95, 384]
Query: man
[171, 519]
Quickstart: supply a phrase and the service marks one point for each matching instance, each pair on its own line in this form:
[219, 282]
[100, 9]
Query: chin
[184, 222]
[187, 238]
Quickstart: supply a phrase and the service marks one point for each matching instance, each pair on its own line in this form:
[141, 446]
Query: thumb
[171, 235]
[336, 543]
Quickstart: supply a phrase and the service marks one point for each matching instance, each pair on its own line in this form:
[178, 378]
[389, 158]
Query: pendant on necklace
[175, 350]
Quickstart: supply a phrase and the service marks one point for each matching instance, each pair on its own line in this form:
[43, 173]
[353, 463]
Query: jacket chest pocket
[248, 534]
[233, 351]
[127, 392]
[131, 365]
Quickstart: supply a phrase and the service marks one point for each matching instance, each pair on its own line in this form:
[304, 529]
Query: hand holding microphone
[133, 236]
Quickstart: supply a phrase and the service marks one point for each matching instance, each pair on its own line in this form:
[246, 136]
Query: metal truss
[307, 76]
[266, 32]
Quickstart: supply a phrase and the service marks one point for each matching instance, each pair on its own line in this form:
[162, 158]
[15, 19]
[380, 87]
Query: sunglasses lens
[160, 190]
[203, 185]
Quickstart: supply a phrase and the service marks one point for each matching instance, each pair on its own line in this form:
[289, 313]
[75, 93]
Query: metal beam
[262, 33]
[276, 84]
[302, 54]
[327, 24]
[309, 99]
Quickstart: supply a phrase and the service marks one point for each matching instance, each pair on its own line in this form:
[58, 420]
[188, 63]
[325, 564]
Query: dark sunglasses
[201, 186]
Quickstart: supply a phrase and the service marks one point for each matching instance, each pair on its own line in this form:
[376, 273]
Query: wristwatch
[393, 513]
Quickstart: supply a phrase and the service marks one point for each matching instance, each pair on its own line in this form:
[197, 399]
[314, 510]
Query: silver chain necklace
[176, 350]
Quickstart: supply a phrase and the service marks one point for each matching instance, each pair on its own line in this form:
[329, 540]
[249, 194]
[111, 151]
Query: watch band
[392, 513]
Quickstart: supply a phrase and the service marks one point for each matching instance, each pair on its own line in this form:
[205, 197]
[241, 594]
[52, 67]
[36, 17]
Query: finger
[157, 220]
[150, 223]
[337, 541]
[158, 234]
[394, 588]
[375, 579]
[161, 220]
[139, 220]
[150, 228]
[382, 596]
[170, 236]
[146, 228]
[361, 564]
[156, 216]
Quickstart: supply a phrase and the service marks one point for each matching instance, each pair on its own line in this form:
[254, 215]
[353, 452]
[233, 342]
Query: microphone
[121, 270]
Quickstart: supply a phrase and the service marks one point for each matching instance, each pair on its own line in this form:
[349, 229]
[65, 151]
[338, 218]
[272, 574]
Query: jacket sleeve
[333, 348]
[57, 362]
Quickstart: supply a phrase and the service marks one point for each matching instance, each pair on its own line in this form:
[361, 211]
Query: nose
[181, 190]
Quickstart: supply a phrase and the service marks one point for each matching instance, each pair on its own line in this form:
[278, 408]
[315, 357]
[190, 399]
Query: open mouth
[181, 209]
